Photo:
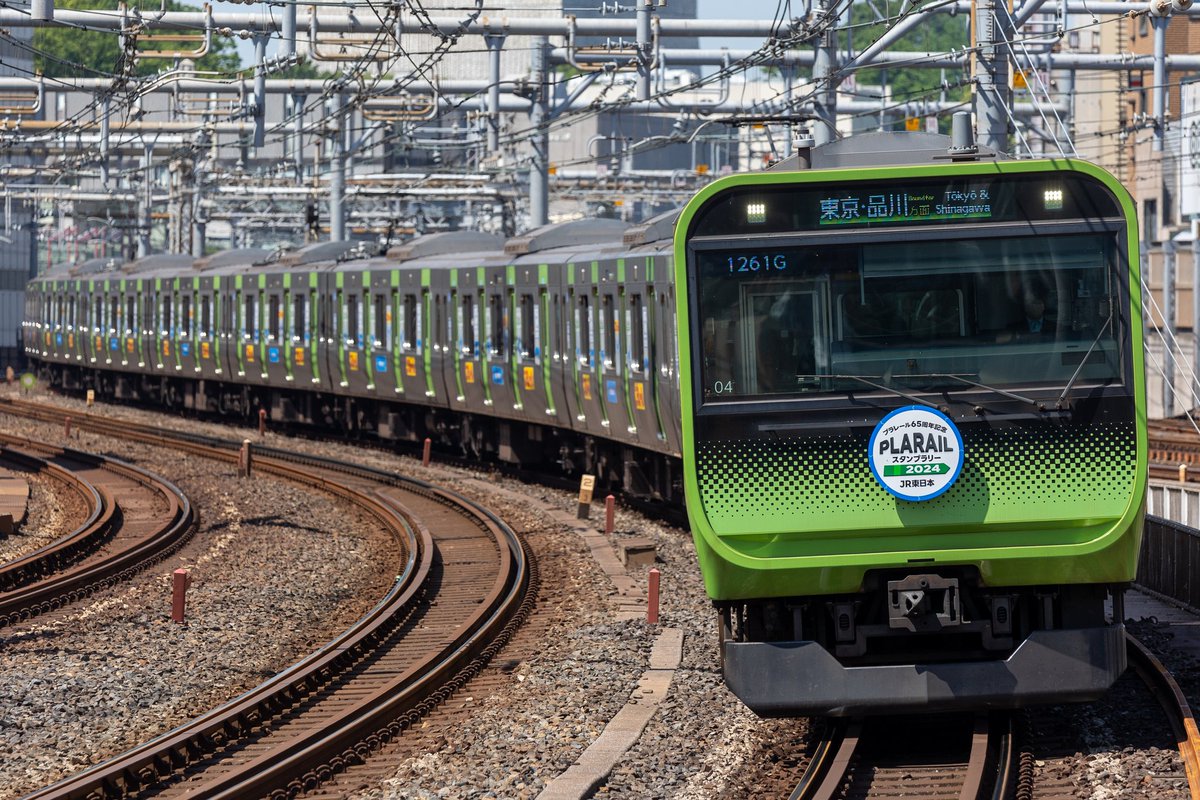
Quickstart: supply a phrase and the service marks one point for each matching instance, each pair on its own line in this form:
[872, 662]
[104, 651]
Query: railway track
[961, 757]
[134, 520]
[467, 583]
[970, 758]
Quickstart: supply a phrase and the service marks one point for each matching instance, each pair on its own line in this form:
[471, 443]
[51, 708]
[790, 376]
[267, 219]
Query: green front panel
[820, 494]
[1043, 504]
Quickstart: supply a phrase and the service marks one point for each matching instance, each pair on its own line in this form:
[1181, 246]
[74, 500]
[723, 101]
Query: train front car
[914, 431]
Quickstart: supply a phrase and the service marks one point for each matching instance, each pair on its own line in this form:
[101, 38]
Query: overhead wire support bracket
[204, 39]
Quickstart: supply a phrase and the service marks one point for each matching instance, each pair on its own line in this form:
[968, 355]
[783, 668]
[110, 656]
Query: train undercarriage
[636, 471]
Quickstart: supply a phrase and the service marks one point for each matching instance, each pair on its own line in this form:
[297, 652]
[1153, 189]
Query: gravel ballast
[702, 743]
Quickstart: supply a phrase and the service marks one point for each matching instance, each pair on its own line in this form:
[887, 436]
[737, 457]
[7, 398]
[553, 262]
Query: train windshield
[916, 316]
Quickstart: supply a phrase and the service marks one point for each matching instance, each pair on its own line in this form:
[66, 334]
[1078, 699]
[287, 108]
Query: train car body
[914, 439]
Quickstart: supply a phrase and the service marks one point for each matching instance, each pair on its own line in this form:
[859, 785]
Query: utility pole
[337, 166]
[824, 73]
[993, 98]
[539, 114]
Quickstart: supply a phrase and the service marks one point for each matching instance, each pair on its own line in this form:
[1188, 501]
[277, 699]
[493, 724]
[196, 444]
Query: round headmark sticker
[916, 453]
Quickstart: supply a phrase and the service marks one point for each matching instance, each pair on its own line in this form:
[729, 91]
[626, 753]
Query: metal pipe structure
[610, 27]
[1168, 339]
[824, 76]
[260, 90]
[337, 175]
[1195, 313]
[145, 205]
[539, 114]
[645, 47]
[992, 94]
[1160, 80]
[287, 44]
[494, 45]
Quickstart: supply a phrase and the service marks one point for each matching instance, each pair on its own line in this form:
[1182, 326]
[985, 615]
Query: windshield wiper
[1082, 361]
[1039, 405]
[873, 385]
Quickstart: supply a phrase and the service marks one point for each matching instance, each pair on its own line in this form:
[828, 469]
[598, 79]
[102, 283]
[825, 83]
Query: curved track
[135, 519]
[467, 584]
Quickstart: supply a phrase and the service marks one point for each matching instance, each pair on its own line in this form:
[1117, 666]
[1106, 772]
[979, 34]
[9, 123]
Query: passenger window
[528, 326]
[497, 318]
[351, 327]
[608, 320]
[273, 318]
[584, 325]
[185, 318]
[637, 332]
[205, 317]
[410, 322]
[299, 323]
[130, 315]
[468, 325]
[249, 330]
[379, 315]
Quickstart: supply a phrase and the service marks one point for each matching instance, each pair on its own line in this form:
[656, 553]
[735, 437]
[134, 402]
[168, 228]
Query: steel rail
[1174, 704]
[55, 555]
[306, 761]
[32, 597]
[988, 774]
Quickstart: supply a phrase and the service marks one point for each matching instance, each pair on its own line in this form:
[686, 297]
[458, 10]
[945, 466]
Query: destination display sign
[790, 208]
[856, 208]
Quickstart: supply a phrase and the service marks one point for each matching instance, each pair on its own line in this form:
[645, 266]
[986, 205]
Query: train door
[277, 351]
[554, 347]
[613, 367]
[530, 386]
[189, 334]
[327, 364]
[225, 348]
[205, 328]
[469, 305]
[640, 385]
[584, 297]
[382, 333]
[443, 357]
[74, 341]
[411, 316]
[499, 346]
[302, 323]
[353, 355]
[129, 323]
[112, 322]
[664, 361]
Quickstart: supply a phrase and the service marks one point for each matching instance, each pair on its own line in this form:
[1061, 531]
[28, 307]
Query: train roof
[881, 149]
[242, 256]
[159, 262]
[92, 266]
[445, 243]
[659, 228]
[575, 234]
[311, 254]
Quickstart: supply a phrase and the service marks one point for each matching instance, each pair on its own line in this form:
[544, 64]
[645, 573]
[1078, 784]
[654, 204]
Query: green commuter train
[914, 434]
[904, 391]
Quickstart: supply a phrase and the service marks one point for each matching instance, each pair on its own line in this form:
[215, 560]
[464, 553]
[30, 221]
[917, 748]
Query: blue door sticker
[381, 363]
[610, 390]
[498, 375]
[272, 355]
[113, 345]
[185, 349]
